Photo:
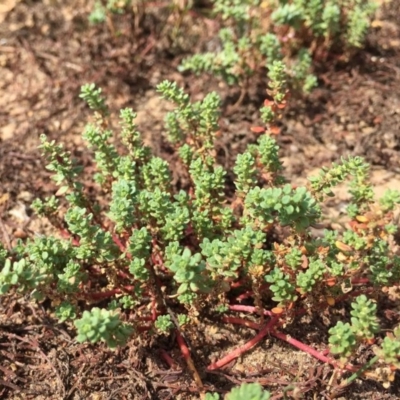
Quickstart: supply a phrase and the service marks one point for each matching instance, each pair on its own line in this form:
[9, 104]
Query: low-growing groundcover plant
[255, 33]
[143, 258]
[246, 391]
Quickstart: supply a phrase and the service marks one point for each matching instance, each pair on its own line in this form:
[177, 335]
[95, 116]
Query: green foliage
[98, 15]
[245, 47]
[307, 280]
[364, 325]
[293, 258]
[281, 287]
[188, 273]
[248, 391]
[163, 323]
[100, 12]
[105, 154]
[342, 339]
[252, 37]
[330, 177]
[343, 21]
[246, 172]
[266, 153]
[94, 243]
[45, 207]
[183, 319]
[358, 21]
[39, 263]
[224, 258]
[99, 324]
[364, 321]
[123, 204]
[65, 311]
[212, 396]
[288, 206]
[389, 200]
[389, 352]
[142, 249]
[92, 96]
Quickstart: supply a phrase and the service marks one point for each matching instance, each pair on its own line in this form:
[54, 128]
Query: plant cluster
[253, 34]
[256, 33]
[246, 391]
[102, 9]
[148, 258]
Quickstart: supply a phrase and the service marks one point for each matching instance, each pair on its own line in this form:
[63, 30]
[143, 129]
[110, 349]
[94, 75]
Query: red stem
[143, 328]
[121, 246]
[360, 281]
[286, 338]
[244, 295]
[241, 321]
[103, 295]
[242, 349]
[168, 359]
[236, 284]
[182, 345]
[186, 355]
[250, 309]
[303, 347]
[309, 350]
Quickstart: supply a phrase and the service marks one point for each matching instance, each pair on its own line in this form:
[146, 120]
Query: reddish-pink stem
[241, 321]
[182, 345]
[121, 246]
[143, 328]
[296, 343]
[237, 284]
[168, 359]
[186, 355]
[360, 281]
[249, 309]
[242, 349]
[244, 295]
[308, 349]
[302, 346]
[103, 295]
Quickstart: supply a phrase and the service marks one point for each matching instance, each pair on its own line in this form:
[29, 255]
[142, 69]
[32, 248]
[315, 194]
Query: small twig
[244, 295]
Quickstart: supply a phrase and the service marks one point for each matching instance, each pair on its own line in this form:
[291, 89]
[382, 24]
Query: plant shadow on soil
[47, 52]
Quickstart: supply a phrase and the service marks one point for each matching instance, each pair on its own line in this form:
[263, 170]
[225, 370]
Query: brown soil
[47, 51]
